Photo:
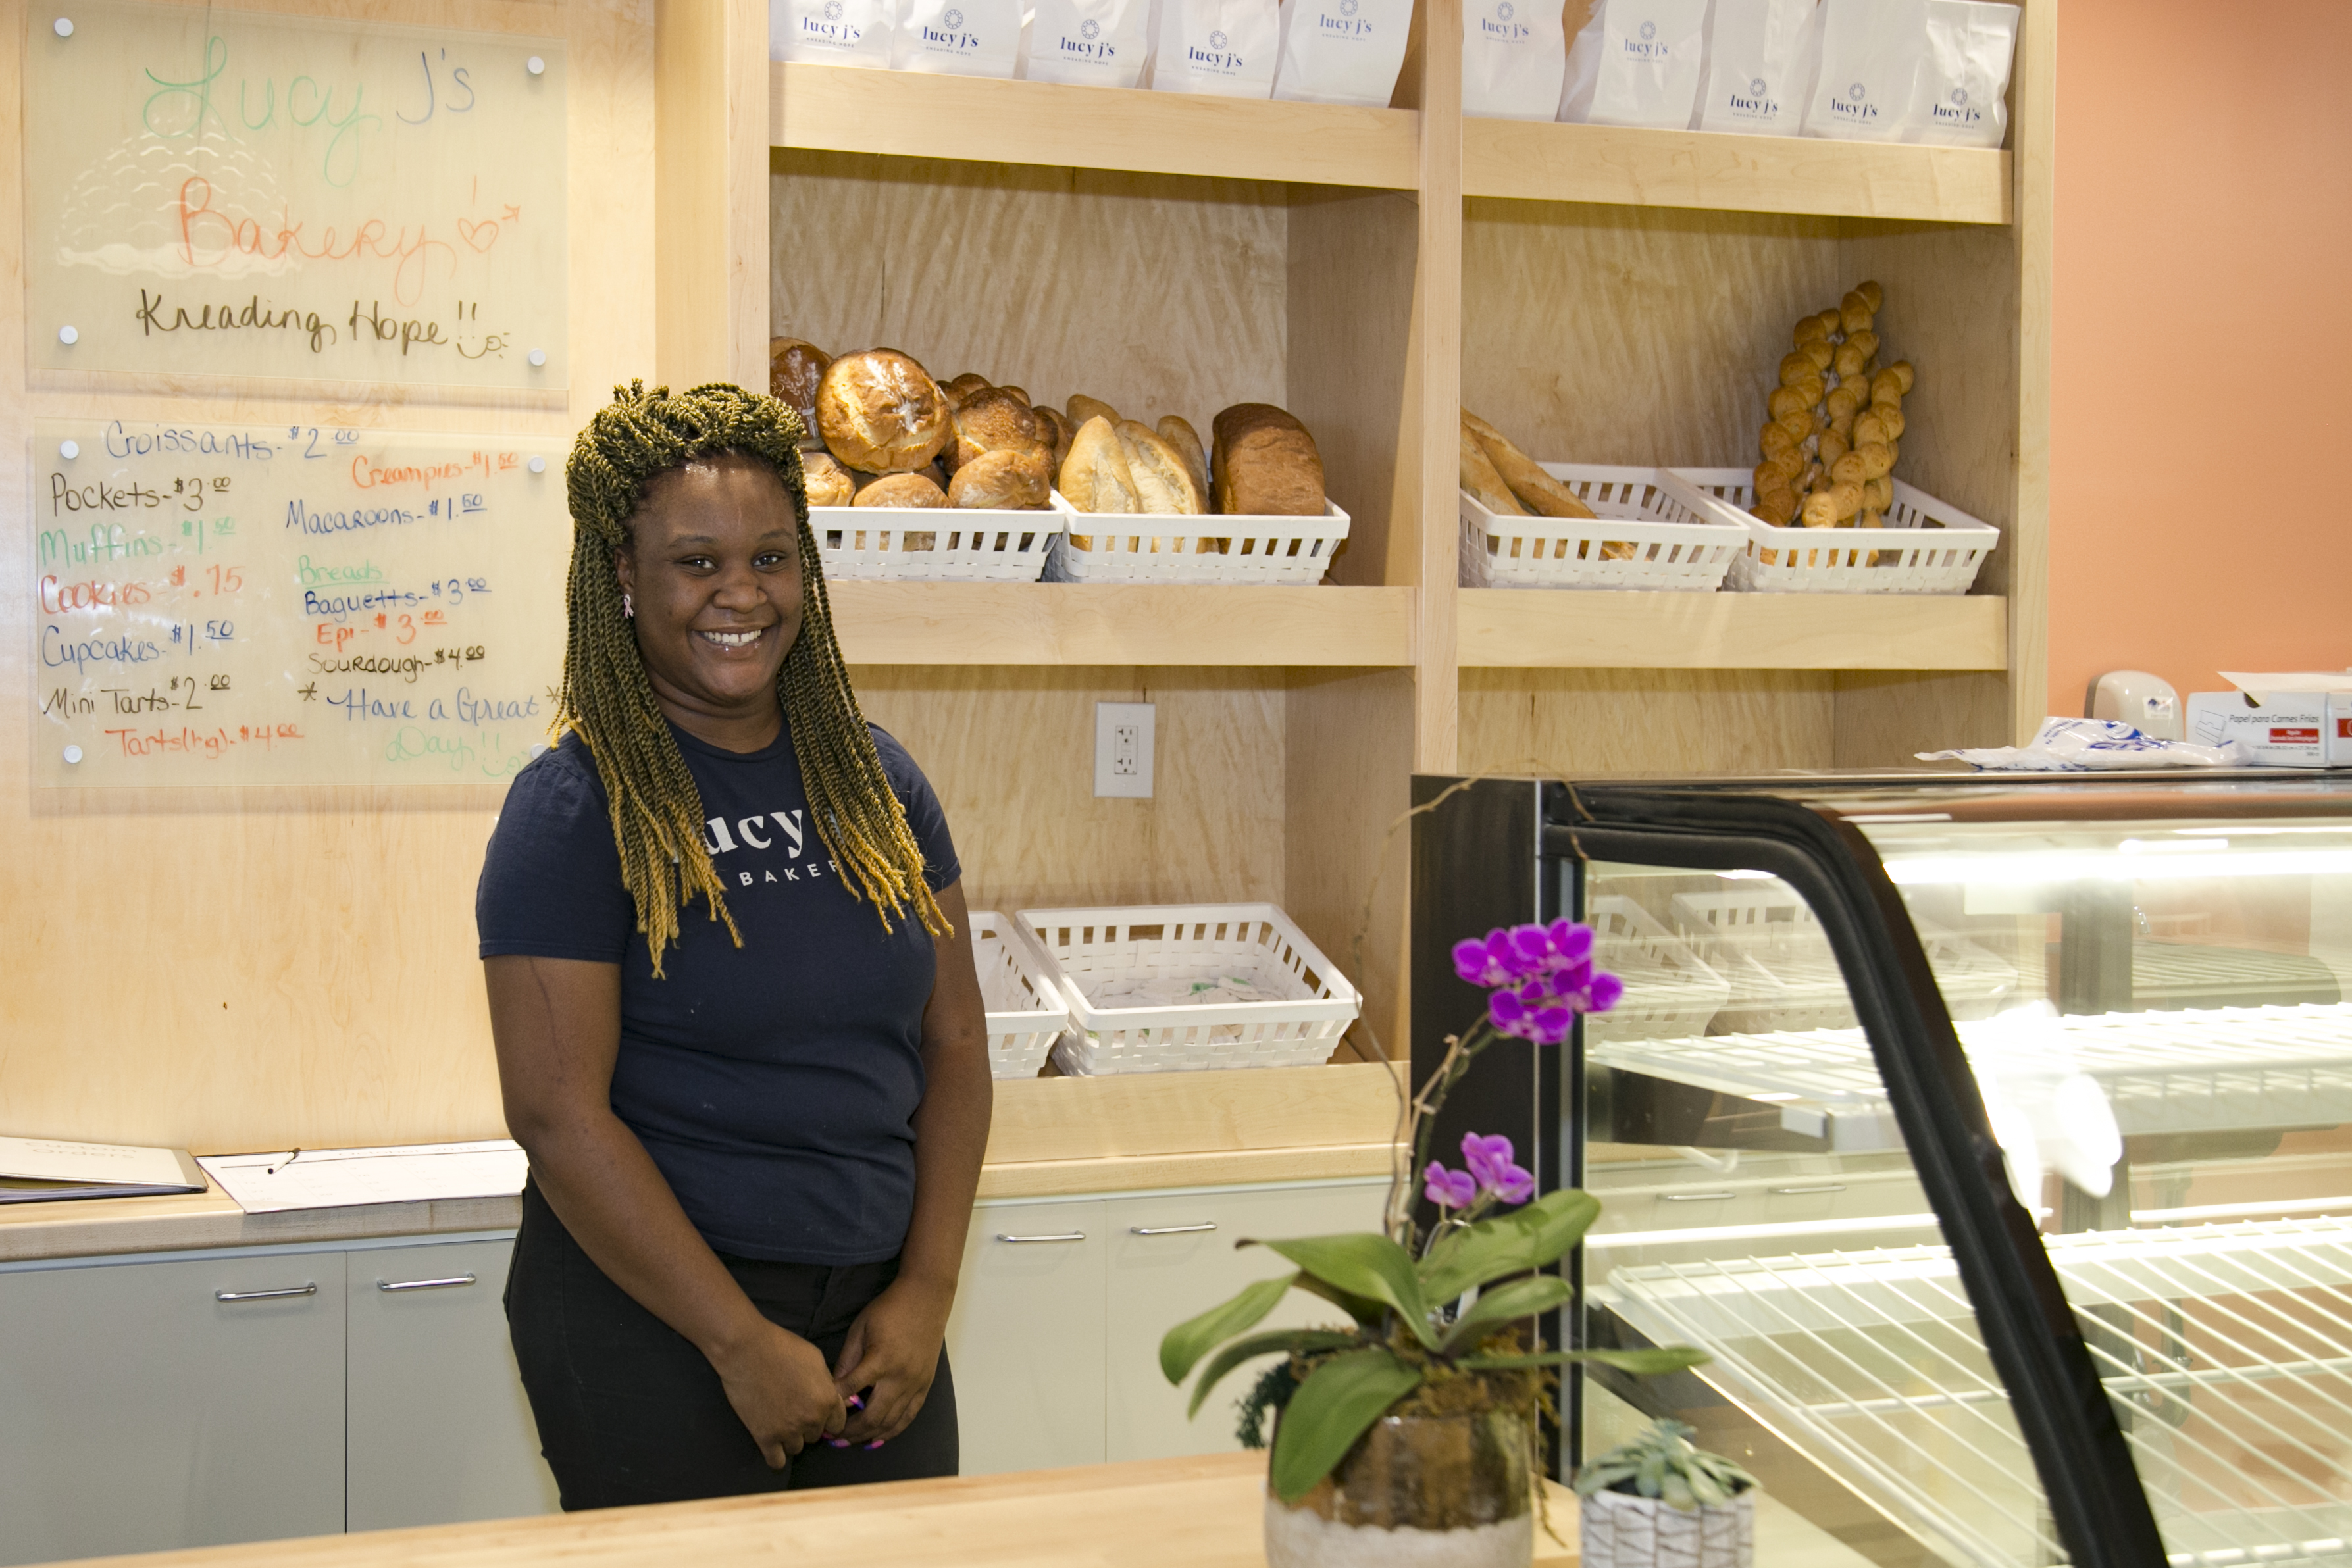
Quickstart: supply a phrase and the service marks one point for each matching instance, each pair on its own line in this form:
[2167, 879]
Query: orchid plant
[1437, 1308]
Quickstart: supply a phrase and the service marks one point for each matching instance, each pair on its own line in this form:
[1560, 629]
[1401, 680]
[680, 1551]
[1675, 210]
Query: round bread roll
[1056, 427]
[1798, 422]
[1872, 294]
[1095, 477]
[1774, 440]
[901, 490]
[1890, 419]
[958, 390]
[1847, 495]
[794, 368]
[879, 412]
[1162, 482]
[1877, 460]
[1822, 352]
[1867, 341]
[1820, 510]
[1083, 408]
[828, 483]
[994, 420]
[1017, 479]
[1808, 329]
[1794, 368]
[1844, 399]
[1878, 494]
[1786, 400]
[1849, 361]
[1832, 448]
[1870, 427]
[1854, 313]
[1021, 392]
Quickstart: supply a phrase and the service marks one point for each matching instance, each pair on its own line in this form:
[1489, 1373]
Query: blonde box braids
[657, 810]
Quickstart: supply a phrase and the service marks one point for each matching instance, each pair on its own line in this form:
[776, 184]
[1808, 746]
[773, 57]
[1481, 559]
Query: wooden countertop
[97, 1227]
[1159, 1513]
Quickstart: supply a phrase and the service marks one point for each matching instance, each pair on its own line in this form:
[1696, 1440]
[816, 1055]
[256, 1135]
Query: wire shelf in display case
[2225, 1350]
[1026, 1013]
[1669, 989]
[1132, 547]
[1926, 546]
[1183, 987]
[1643, 535]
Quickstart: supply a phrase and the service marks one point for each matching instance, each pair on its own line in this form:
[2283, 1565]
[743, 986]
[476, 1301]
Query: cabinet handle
[1064, 1236]
[265, 1295]
[1698, 1197]
[424, 1285]
[1826, 1187]
[1172, 1230]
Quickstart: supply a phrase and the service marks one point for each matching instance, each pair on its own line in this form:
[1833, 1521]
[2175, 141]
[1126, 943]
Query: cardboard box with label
[2301, 719]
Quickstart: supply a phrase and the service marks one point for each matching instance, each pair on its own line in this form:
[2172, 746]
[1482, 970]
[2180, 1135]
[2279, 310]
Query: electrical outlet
[1123, 750]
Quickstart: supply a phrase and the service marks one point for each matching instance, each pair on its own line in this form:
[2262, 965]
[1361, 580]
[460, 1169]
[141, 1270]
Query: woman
[754, 1137]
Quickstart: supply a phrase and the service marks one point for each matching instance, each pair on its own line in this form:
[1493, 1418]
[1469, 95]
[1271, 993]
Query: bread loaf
[994, 420]
[828, 483]
[1083, 408]
[794, 368]
[901, 490]
[1478, 477]
[1051, 425]
[958, 390]
[1095, 477]
[1162, 482]
[1181, 436]
[1017, 479]
[1536, 490]
[1264, 463]
[879, 412]
[1021, 392]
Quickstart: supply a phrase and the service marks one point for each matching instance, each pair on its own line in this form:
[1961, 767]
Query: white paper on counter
[340, 1178]
[2336, 682]
[94, 1164]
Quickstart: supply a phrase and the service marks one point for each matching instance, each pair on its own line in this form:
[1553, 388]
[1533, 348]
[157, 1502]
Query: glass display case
[1994, 1136]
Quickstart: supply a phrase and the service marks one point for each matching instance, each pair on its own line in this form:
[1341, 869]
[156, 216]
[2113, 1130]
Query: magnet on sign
[69, 450]
[538, 355]
[538, 465]
[535, 66]
[64, 26]
[68, 336]
[73, 754]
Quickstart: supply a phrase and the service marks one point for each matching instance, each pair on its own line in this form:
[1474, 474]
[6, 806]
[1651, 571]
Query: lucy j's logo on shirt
[762, 833]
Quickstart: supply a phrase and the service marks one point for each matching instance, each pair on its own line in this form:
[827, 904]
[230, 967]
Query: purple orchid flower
[1450, 1189]
[1492, 1163]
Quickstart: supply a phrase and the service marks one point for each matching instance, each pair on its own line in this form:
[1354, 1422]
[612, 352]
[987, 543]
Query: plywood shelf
[1121, 623]
[1501, 628]
[1539, 162]
[911, 115]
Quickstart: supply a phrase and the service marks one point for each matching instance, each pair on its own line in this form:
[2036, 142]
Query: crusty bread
[1264, 463]
[958, 390]
[828, 483]
[1181, 436]
[878, 412]
[992, 420]
[1162, 482]
[1478, 477]
[1055, 426]
[901, 490]
[1083, 408]
[1095, 477]
[1003, 478]
[1536, 490]
[1021, 392]
[794, 368]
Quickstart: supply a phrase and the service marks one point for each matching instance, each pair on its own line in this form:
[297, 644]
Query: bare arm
[894, 1346]
[557, 1025]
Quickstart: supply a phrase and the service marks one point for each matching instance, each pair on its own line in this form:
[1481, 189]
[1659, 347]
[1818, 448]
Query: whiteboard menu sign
[290, 604]
[221, 192]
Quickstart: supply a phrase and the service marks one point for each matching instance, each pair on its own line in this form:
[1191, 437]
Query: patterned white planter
[1623, 1531]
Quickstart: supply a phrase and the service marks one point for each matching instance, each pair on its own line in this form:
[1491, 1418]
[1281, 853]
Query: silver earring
[629, 606]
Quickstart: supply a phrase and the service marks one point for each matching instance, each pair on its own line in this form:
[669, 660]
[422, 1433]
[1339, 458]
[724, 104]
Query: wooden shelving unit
[1120, 623]
[1530, 161]
[1502, 628]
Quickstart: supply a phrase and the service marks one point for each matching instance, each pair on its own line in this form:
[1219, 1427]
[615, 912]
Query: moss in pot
[1659, 1500]
[1406, 1439]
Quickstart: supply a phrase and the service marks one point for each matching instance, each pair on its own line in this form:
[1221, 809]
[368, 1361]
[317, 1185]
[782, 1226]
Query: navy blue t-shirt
[774, 1084]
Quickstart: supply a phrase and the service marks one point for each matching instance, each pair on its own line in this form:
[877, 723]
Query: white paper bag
[956, 37]
[1636, 62]
[1091, 43]
[1513, 58]
[1960, 98]
[1341, 51]
[831, 32]
[1760, 59]
[1222, 48]
[1871, 51]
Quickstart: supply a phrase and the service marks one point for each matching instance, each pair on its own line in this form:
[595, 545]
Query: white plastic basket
[1097, 953]
[1025, 1011]
[1766, 944]
[1926, 547]
[1667, 542]
[1670, 992]
[1154, 547]
[966, 544]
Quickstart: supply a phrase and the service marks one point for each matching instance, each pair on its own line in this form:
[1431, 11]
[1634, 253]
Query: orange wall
[2200, 504]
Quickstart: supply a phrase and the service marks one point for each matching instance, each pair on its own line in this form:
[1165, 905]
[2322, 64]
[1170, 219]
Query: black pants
[630, 1412]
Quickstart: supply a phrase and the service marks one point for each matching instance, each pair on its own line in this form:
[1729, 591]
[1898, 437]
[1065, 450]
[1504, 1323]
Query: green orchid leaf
[1641, 1362]
[1363, 1309]
[1504, 1303]
[1364, 1264]
[1182, 1346]
[1257, 1344]
[1533, 1237]
[1336, 1405]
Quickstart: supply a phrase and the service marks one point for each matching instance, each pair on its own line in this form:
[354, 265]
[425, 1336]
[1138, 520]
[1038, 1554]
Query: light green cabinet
[1025, 1339]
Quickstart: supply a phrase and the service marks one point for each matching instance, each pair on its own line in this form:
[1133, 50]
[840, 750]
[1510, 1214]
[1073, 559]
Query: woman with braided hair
[739, 1030]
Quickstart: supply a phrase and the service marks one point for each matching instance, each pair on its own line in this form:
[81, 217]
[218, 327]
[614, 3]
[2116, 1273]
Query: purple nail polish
[857, 1402]
[837, 1442]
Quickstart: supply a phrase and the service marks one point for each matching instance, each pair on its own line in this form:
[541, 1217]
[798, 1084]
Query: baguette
[1177, 434]
[1478, 477]
[1536, 490]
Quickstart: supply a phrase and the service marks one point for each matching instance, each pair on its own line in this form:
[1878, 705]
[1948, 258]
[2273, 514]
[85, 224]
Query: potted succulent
[1419, 1414]
[1657, 1499]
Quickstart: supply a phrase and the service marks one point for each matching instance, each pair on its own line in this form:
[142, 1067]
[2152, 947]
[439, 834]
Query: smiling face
[714, 569]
